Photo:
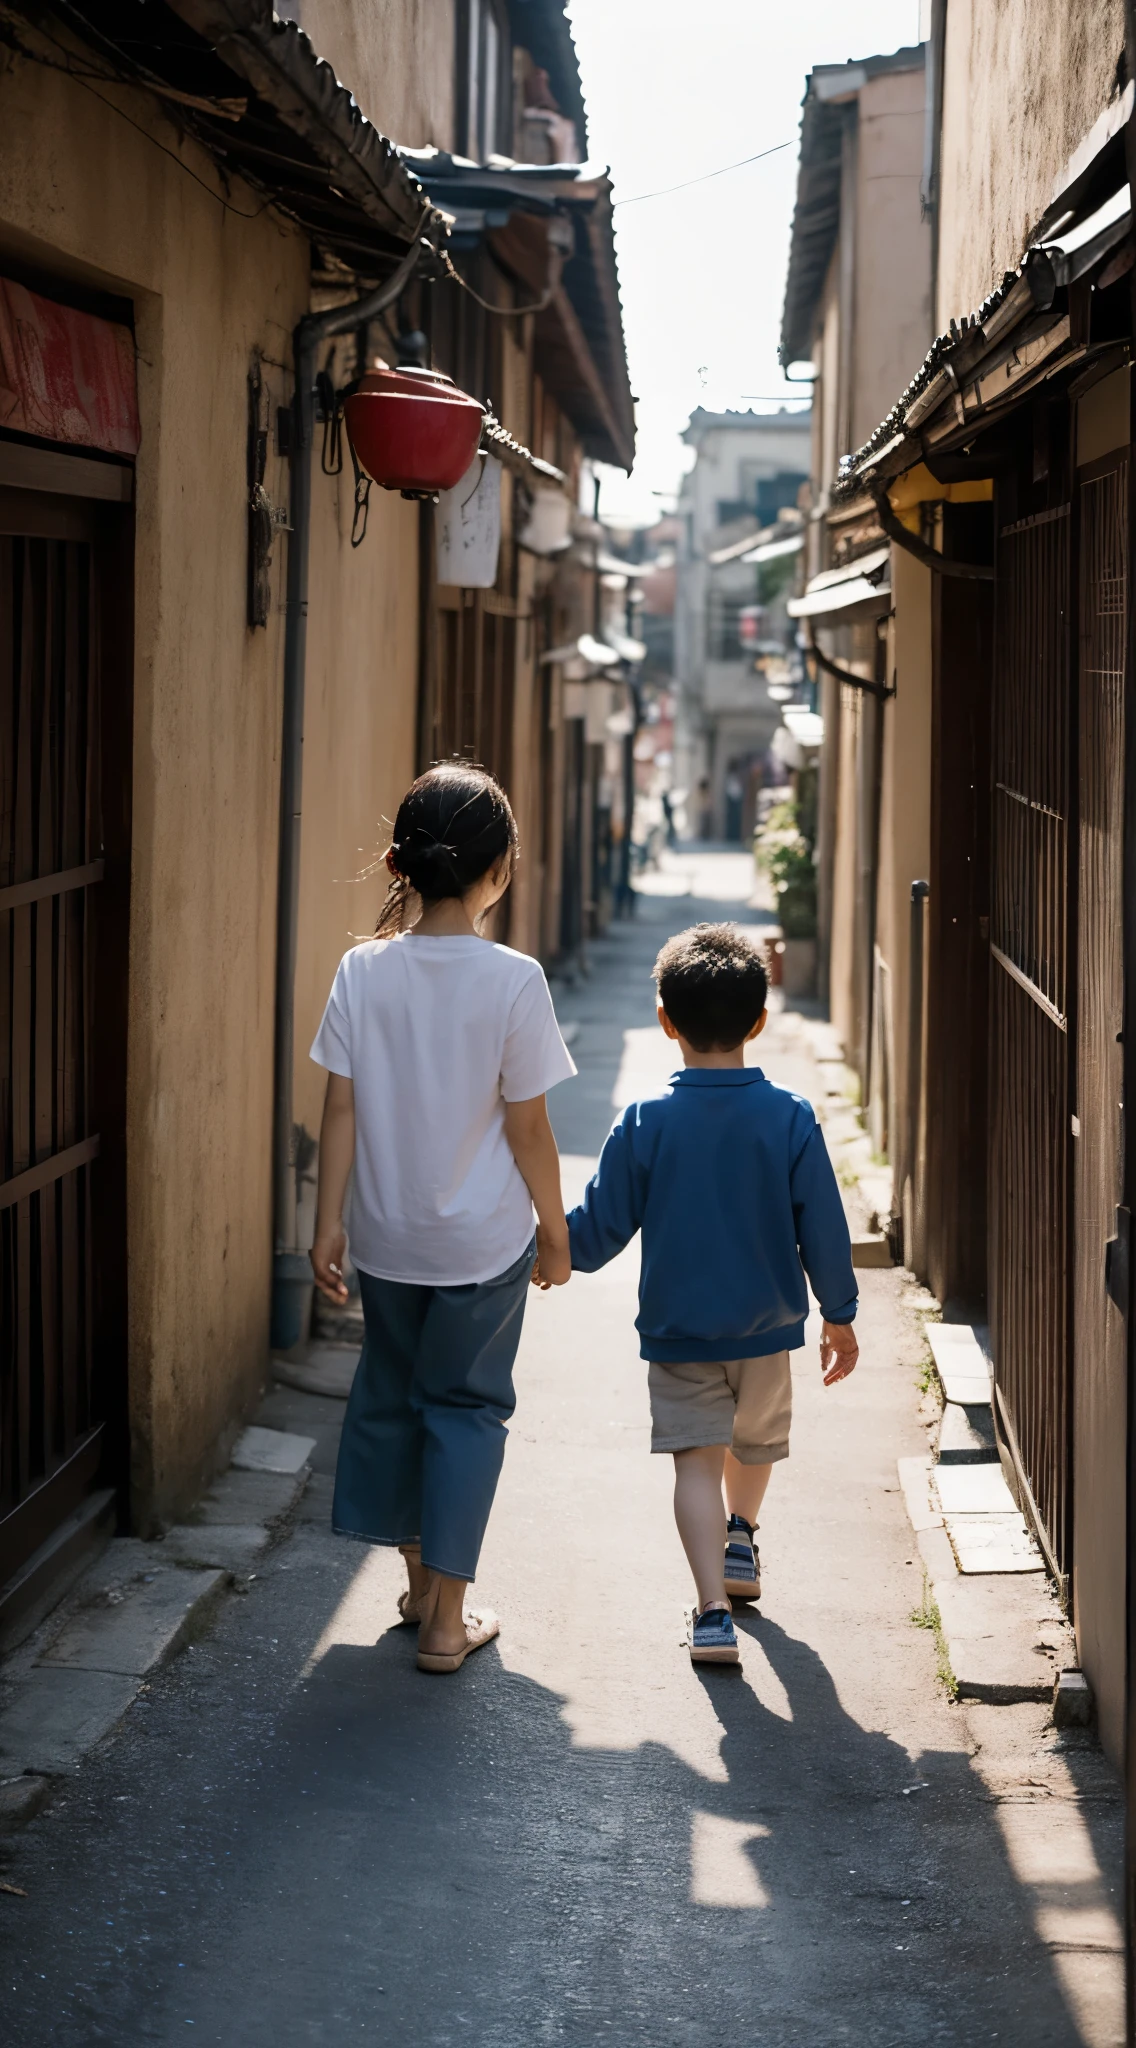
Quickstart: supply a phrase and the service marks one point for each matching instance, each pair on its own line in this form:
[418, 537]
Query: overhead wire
[705, 176]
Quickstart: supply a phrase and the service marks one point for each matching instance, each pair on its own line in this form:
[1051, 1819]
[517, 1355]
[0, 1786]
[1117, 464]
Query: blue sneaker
[743, 1566]
[710, 1636]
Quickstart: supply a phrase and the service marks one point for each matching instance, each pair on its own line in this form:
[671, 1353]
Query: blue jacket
[730, 1182]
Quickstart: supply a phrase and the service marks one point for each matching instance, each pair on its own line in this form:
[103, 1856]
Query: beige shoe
[479, 1630]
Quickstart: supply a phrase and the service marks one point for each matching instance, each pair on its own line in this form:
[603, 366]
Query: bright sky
[674, 88]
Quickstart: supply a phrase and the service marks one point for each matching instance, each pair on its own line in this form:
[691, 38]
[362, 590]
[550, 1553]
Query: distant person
[730, 1183]
[669, 826]
[705, 810]
[440, 1047]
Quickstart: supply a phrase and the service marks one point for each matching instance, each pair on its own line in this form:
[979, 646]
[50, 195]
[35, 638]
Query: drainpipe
[1129, 945]
[290, 1263]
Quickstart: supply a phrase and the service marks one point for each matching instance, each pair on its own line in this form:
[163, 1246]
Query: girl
[440, 1048]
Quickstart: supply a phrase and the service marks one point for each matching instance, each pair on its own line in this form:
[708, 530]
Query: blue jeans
[424, 1435]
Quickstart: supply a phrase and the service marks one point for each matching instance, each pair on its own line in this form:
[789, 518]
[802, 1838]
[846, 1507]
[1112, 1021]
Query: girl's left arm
[336, 1153]
[534, 1148]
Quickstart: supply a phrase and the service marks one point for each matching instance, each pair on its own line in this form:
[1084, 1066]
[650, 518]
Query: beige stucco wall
[892, 291]
[360, 713]
[905, 810]
[1022, 85]
[209, 287]
[397, 56]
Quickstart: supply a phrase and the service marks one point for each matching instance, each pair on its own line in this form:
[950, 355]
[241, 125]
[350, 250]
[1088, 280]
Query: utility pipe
[978, 572]
[311, 332]
[844, 675]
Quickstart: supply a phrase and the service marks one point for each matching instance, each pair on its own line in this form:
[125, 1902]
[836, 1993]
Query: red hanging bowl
[413, 430]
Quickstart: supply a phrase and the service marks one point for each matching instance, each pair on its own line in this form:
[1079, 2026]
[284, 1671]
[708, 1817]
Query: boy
[729, 1180]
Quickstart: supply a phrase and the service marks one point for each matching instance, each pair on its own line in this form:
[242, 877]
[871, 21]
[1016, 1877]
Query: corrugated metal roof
[255, 95]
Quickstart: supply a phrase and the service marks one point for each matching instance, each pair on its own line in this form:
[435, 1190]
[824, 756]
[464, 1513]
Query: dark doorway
[65, 707]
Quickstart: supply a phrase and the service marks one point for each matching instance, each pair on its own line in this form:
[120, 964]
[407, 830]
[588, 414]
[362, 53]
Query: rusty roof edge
[282, 65]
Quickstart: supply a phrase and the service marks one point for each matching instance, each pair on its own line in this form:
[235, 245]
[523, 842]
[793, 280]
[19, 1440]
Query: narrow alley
[296, 1837]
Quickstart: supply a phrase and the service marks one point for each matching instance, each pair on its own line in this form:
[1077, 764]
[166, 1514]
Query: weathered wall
[360, 712]
[397, 56]
[892, 292]
[86, 196]
[1022, 85]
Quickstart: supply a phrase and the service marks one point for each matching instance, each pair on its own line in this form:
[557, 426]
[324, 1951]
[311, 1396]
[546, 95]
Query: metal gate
[1029, 1002]
[50, 874]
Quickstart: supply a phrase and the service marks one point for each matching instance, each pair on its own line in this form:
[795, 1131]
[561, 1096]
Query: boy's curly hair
[712, 985]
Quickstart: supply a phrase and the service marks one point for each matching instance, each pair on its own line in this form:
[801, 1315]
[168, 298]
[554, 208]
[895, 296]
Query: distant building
[730, 619]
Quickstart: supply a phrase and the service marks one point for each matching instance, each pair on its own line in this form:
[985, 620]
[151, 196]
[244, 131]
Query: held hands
[553, 1263]
[838, 1351]
[327, 1264]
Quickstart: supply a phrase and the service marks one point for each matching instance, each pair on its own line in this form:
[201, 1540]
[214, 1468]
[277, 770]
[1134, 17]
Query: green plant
[783, 852]
[927, 1615]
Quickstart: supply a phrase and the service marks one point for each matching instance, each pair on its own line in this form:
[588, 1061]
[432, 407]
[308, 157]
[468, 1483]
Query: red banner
[65, 375]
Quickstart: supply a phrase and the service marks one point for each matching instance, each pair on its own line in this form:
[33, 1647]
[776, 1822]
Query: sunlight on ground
[1074, 1910]
[721, 1870]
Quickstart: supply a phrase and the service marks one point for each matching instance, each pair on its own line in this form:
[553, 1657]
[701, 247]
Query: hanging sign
[64, 375]
[468, 527]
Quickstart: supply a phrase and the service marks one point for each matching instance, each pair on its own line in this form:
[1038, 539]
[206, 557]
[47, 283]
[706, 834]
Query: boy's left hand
[838, 1351]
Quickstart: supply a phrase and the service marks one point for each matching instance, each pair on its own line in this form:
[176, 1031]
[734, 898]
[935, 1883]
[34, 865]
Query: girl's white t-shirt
[437, 1035]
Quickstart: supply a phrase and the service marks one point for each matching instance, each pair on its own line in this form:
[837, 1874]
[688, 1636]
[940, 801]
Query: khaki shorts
[746, 1403]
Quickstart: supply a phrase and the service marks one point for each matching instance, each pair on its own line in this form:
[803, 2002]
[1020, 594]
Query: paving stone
[58, 1715]
[324, 1369]
[973, 1490]
[271, 1450]
[960, 1362]
[20, 1800]
[872, 1249]
[966, 1435]
[230, 1547]
[1005, 1636]
[1072, 1700]
[259, 1498]
[915, 1479]
[144, 1628]
[992, 1543]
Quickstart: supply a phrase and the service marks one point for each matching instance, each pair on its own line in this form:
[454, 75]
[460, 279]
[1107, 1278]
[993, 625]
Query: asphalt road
[296, 1838]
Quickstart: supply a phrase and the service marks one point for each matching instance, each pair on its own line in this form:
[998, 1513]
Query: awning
[859, 590]
[807, 727]
[1022, 333]
[582, 657]
[771, 550]
[579, 325]
[255, 95]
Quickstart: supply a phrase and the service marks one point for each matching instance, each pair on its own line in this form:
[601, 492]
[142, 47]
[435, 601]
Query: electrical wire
[665, 190]
[503, 312]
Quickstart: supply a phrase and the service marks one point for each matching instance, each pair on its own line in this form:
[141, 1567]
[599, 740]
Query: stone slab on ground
[250, 1496]
[915, 1480]
[871, 1249]
[993, 1543]
[966, 1435]
[973, 1490]
[324, 1369]
[1006, 1636]
[142, 1629]
[227, 1547]
[961, 1363]
[58, 1714]
[271, 1450]
[20, 1801]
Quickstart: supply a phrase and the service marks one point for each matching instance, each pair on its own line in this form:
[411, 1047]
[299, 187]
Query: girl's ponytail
[454, 824]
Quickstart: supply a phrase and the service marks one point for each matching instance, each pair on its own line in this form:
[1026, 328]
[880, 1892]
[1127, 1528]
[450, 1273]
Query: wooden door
[62, 1019]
